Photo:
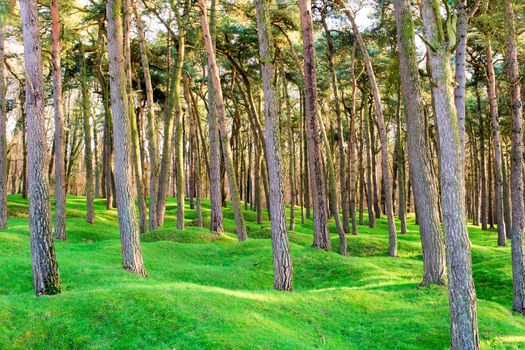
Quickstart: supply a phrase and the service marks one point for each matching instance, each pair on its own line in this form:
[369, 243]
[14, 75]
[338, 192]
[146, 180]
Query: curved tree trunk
[221, 119]
[46, 279]
[462, 295]
[129, 231]
[282, 260]
[385, 170]
[317, 181]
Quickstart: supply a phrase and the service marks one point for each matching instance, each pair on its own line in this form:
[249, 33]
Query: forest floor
[206, 292]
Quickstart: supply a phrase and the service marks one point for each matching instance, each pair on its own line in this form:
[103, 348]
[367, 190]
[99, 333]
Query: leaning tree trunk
[516, 163]
[221, 119]
[498, 174]
[317, 182]
[385, 169]
[3, 137]
[282, 260]
[462, 295]
[88, 154]
[46, 278]
[60, 190]
[129, 231]
[340, 145]
[425, 188]
[151, 128]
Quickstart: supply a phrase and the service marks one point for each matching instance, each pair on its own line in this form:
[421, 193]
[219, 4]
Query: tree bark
[317, 181]
[460, 60]
[46, 278]
[462, 295]
[88, 154]
[221, 119]
[385, 170]
[129, 231]
[516, 162]
[282, 260]
[3, 135]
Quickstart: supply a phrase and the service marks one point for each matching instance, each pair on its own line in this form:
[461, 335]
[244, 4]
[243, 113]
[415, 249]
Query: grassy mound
[210, 292]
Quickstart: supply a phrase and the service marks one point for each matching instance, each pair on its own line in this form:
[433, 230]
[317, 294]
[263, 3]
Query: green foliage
[205, 291]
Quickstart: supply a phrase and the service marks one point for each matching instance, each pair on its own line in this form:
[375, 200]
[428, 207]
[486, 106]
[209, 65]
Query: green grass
[209, 292]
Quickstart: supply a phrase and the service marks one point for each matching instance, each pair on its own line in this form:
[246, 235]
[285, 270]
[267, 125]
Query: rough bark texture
[425, 188]
[516, 163]
[385, 169]
[462, 295]
[461, 78]
[221, 119]
[317, 181]
[3, 136]
[129, 231]
[151, 128]
[46, 279]
[282, 260]
[88, 153]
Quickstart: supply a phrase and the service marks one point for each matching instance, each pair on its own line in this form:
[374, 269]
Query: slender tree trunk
[352, 142]
[151, 128]
[340, 145]
[368, 150]
[317, 181]
[3, 136]
[400, 170]
[498, 175]
[88, 154]
[221, 119]
[462, 295]
[506, 198]
[392, 238]
[460, 60]
[60, 192]
[46, 278]
[282, 260]
[516, 172]
[129, 231]
[291, 151]
[135, 146]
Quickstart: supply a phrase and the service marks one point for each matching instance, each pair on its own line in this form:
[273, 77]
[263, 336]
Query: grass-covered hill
[209, 292]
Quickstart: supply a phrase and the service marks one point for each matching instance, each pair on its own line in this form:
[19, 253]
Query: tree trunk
[340, 145]
[368, 150]
[46, 278]
[317, 181]
[392, 238]
[60, 192]
[400, 170]
[151, 129]
[129, 231]
[88, 155]
[462, 295]
[282, 260]
[460, 60]
[516, 162]
[498, 175]
[221, 119]
[291, 150]
[3, 136]
[135, 146]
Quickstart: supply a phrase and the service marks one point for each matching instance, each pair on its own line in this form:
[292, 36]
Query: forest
[262, 174]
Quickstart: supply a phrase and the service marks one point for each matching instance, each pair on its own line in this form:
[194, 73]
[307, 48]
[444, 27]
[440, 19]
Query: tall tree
[221, 120]
[516, 161]
[317, 181]
[129, 231]
[3, 134]
[46, 278]
[440, 39]
[423, 181]
[385, 168]
[151, 128]
[60, 190]
[282, 260]
[88, 153]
